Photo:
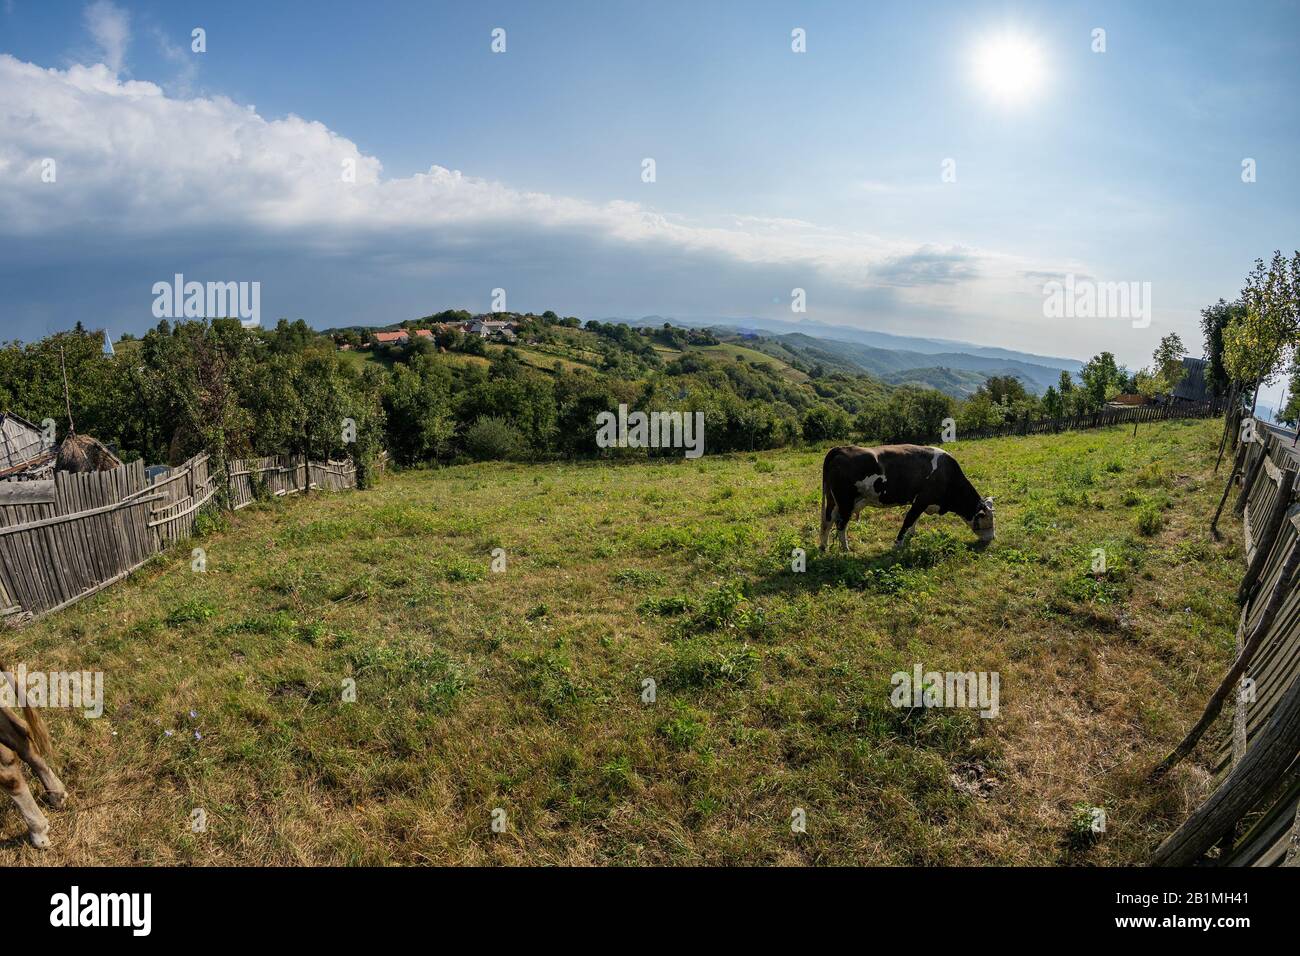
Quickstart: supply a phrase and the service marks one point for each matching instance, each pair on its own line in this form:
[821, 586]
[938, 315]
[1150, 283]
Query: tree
[911, 414]
[825, 422]
[1166, 370]
[980, 412]
[1258, 344]
[494, 439]
[1103, 379]
[418, 407]
[1053, 406]
[1289, 414]
[1214, 319]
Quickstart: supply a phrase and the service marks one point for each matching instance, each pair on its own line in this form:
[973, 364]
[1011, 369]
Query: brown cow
[24, 738]
[928, 479]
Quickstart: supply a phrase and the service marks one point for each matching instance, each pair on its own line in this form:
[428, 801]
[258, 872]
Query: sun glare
[1009, 69]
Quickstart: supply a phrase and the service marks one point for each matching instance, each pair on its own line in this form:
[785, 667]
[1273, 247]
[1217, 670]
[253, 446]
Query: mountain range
[951, 366]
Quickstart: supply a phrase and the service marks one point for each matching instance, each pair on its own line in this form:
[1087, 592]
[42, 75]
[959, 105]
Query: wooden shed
[20, 441]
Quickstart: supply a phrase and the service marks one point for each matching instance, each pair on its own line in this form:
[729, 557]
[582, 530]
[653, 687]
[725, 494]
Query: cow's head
[982, 522]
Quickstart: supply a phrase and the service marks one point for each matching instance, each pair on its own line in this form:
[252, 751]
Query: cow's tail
[31, 725]
[37, 732]
[828, 499]
[826, 492]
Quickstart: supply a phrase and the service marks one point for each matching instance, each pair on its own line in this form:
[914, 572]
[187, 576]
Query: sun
[1009, 68]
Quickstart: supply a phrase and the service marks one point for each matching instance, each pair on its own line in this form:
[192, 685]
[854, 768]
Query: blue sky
[522, 170]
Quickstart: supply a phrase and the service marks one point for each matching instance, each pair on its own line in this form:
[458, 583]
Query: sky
[919, 168]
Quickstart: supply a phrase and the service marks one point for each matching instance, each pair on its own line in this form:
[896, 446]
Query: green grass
[525, 690]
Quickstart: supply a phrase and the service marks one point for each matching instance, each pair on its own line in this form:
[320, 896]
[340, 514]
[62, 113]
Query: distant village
[503, 330]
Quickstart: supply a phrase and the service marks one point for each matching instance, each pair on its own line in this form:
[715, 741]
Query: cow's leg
[17, 738]
[13, 783]
[913, 513]
[828, 518]
[55, 792]
[843, 515]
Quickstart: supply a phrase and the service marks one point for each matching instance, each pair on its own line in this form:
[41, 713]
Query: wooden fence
[1211, 408]
[64, 539]
[1252, 814]
[286, 475]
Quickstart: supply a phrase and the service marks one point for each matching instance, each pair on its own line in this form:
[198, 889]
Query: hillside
[522, 690]
[950, 381]
[895, 358]
[888, 341]
[951, 368]
[911, 365]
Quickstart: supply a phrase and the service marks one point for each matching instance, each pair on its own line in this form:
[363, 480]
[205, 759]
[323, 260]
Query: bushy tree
[1053, 406]
[495, 439]
[1214, 320]
[417, 403]
[825, 422]
[1260, 343]
[1103, 379]
[910, 414]
[1166, 369]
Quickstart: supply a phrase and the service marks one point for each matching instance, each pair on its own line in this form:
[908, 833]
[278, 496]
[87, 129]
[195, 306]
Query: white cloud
[110, 26]
[135, 164]
[186, 62]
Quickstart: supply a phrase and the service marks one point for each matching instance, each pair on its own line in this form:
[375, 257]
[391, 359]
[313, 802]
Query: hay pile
[81, 453]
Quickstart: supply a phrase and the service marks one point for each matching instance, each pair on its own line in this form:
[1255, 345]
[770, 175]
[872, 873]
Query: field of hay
[519, 696]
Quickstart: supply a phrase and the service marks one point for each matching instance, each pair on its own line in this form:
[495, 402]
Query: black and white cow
[888, 476]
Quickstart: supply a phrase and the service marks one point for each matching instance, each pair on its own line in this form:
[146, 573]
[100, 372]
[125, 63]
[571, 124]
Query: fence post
[1275, 601]
[1251, 475]
[1238, 459]
[1258, 772]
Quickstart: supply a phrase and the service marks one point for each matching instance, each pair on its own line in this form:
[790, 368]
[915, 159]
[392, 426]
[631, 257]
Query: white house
[491, 328]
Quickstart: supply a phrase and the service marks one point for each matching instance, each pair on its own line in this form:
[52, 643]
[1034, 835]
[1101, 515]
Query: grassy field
[522, 691]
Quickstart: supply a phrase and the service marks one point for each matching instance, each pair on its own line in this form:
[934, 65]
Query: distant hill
[955, 373]
[800, 348]
[936, 363]
[956, 382]
[846, 333]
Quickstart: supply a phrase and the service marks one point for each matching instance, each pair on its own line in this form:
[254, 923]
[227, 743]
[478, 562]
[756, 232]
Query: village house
[400, 337]
[492, 329]
[1193, 387]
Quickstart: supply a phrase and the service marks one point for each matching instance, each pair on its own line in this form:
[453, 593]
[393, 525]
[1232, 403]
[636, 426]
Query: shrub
[684, 729]
[1154, 475]
[700, 666]
[191, 612]
[209, 521]
[1150, 519]
[638, 578]
[494, 439]
[1080, 833]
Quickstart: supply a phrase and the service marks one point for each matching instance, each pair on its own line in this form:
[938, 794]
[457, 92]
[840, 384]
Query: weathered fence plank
[1262, 749]
[65, 539]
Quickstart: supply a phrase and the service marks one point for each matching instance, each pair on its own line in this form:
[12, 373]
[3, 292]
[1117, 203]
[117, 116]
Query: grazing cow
[25, 740]
[928, 479]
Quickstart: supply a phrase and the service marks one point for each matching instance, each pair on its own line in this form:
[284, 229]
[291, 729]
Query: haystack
[81, 453]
